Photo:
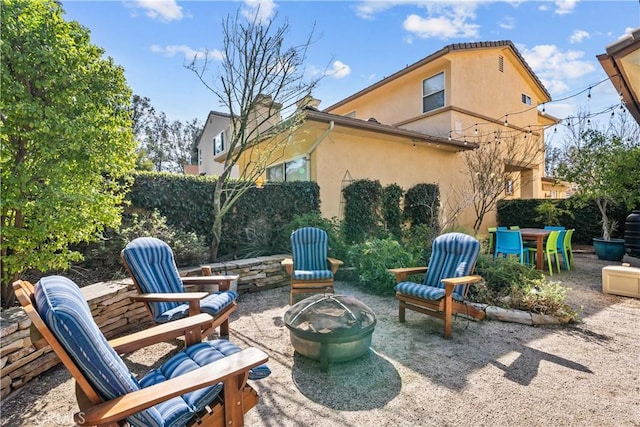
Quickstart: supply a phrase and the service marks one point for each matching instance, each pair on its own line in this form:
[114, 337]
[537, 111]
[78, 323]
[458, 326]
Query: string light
[515, 130]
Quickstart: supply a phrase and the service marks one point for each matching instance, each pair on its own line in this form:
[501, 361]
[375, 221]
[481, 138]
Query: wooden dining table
[537, 234]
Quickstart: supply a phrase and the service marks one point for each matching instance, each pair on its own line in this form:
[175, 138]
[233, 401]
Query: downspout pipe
[320, 139]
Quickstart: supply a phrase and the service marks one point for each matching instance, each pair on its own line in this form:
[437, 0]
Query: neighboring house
[213, 144]
[553, 188]
[411, 127]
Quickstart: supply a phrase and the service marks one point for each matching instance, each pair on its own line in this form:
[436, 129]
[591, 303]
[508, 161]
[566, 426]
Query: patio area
[489, 373]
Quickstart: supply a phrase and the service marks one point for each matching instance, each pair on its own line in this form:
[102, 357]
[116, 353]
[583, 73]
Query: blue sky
[360, 42]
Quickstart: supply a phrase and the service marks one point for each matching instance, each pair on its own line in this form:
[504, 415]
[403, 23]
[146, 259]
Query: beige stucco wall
[206, 163]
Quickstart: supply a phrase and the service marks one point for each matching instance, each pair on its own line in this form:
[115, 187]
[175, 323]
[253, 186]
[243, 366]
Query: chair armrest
[465, 280]
[287, 263]
[180, 297]
[222, 370]
[402, 273]
[223, 281]
[335, 263]
[160, 333]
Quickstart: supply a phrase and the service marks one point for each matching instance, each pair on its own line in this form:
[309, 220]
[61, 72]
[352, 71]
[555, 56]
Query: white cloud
[262, 10]
[564, 7]
[578, 36]
[508, 23]
[555, 68]
[188, 53]
[444, 20]
[161, 10]
[338, 70]
[368, 8]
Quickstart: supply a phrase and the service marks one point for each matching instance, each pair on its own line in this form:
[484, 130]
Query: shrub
[371, 260]
[417, 240]
[188, 248]
[509, 284]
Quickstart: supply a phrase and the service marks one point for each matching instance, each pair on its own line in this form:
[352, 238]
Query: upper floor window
[295, 170]
[526, 99]
[433, 93]
[218, 144]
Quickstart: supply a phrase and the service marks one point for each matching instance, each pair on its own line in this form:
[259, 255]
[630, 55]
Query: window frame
[283, 170]
[526, 99]
[434, 93]
[221, 138]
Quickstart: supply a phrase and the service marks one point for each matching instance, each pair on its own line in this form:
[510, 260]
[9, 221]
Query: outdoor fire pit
[330, 328]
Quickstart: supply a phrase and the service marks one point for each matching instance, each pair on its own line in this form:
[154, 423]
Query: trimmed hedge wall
[586, 220]
[186, 201]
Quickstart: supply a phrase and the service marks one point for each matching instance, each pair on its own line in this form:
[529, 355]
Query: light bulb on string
[449, 135]
[589, 94]
[476, 130]
[506, 120]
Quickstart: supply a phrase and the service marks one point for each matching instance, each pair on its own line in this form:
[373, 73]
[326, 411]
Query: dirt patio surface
[489, 373]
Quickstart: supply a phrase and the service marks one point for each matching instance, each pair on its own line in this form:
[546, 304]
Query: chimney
[265, 114]
[308, 102]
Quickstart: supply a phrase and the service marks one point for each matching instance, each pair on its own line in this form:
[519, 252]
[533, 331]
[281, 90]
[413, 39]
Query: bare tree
[260, 79]
[495, 168]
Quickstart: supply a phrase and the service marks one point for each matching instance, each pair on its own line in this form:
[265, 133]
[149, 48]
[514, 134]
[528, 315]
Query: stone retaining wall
[114, 313]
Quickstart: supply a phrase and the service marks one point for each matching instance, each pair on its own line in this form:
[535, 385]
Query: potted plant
[598, 164]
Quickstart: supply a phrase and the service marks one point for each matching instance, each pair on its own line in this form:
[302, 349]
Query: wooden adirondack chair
[211, 390]
[446, 282]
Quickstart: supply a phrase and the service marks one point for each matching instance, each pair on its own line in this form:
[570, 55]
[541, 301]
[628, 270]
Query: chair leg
[549, 264]
[401, 312]
[557, 261]
[224, 329]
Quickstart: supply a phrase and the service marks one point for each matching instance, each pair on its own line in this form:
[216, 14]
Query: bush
[418, 240]
[371, 260]
[188, 248]
[509, 284]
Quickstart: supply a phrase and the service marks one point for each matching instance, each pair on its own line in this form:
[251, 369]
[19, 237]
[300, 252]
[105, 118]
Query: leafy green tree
[605, 168]
[66, 140]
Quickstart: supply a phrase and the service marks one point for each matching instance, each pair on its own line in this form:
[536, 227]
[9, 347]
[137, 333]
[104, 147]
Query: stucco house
[212, 144]
[414, 126]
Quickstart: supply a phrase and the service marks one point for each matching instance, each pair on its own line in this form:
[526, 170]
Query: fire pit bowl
[330, 328]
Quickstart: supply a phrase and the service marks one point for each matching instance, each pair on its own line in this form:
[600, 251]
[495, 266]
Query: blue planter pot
[609, 250]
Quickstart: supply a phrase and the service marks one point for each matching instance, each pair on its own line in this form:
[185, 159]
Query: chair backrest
[453, 255]
[553, 227]
[552, 241]
[65, 312]
[309, 246]
[508, 241]
[503, 228]
[514, 227]
[560, 242]
[566, 242]
[153, 269]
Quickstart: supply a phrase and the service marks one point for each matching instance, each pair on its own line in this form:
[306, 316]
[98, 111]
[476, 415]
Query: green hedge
[586, 220]
[187, 203]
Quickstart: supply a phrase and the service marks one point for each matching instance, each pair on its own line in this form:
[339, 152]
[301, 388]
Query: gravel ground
[489, 373]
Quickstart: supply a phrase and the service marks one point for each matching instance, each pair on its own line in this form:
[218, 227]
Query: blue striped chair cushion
[309, 246]
[212, 304]
[153, 266]
[66, 312]
[312, 275]
[423, 291]
[453, 255]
